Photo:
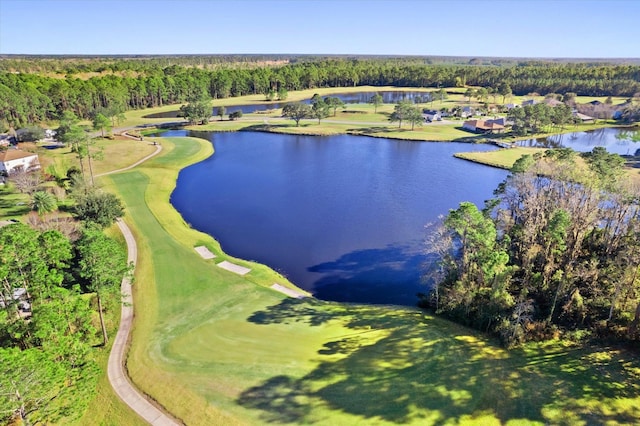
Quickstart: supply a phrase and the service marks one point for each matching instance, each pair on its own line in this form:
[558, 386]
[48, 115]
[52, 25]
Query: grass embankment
[504, 159]
[216, 348]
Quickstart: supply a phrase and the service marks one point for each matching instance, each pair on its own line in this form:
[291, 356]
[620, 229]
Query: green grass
[115, 154]
[13, 205]
[502, 158]
[216, 348]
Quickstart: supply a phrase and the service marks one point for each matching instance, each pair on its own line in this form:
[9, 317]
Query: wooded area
[111, 87]
[557, 251]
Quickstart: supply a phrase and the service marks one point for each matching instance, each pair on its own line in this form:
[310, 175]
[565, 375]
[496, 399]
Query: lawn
[112, 155]
[13, 204]
[502, 158]
[217, 348]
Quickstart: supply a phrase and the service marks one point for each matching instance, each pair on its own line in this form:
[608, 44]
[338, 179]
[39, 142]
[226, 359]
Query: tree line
[31, 98]
[556, 251]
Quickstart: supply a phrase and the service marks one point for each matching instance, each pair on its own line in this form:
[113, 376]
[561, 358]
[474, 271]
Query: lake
[608, 138]
[342, 216]
[388, 97]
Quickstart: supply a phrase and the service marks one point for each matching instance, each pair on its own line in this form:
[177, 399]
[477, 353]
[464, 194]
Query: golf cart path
[116, 371]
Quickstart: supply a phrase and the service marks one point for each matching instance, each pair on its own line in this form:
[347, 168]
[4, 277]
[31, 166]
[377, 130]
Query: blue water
[609, 138]
[342, 216]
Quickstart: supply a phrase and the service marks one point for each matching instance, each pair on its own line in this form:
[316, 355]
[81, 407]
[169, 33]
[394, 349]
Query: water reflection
[619, 141]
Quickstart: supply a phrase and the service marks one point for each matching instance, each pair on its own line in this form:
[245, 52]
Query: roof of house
[484, 125]
[15, 154]
[583, 117]
[552, 102]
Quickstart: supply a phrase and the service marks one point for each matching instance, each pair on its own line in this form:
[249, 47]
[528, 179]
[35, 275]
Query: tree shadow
[389, 275]
[376, 130]
[401, 366]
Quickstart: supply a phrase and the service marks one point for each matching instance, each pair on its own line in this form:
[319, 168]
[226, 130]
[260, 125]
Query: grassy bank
[504, 159]
[217, 348]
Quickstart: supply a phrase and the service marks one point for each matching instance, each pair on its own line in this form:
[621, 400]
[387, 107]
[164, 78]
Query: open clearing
[218, 348]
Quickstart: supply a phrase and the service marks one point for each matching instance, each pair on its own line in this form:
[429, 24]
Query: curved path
[116, 370]
[158, 149]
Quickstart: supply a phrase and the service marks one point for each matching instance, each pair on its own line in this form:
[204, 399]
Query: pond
[349, 98]
[342, 216]
[615, 140]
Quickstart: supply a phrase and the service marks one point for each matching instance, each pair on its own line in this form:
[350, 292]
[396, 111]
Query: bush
[30, 134]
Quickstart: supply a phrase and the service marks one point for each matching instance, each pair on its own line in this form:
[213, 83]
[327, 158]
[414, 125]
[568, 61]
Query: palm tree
[43, 202]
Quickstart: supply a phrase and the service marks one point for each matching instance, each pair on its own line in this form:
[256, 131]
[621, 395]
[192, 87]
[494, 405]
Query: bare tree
[26, 181]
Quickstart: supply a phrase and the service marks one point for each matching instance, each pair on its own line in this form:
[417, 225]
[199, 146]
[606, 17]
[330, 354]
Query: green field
[216, 348]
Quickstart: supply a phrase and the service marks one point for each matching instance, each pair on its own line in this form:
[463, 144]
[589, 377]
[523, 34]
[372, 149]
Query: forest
[556, 252]
[33, 91]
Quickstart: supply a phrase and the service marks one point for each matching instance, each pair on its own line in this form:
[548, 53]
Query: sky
[498, 28]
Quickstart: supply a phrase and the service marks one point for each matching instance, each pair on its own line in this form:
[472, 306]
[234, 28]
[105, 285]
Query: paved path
[116, 368]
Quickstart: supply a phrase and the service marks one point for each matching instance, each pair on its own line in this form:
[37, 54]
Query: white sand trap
[288, 291]
[240, 270]
[204, 252]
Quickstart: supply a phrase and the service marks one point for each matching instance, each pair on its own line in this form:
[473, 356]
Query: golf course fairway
[214, 347]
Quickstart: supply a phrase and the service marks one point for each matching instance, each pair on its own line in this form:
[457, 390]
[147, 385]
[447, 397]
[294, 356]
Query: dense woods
[557, 250]
[32, 91]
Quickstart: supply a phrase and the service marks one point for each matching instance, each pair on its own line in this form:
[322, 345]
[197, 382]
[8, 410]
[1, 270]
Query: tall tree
[376, 100]
[402, 111]
[102, 262]
[102, 123]
[319, 108]
[221, 112]
[296, 112]
[334, 102]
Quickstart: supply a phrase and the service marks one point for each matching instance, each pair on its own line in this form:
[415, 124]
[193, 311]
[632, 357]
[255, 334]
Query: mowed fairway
[216, 348]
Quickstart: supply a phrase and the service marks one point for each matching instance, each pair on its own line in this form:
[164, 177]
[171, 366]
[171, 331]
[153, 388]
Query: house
[510, 106]
[583, 118]
[13, 160]
[467, 112]
[431, 115]
[499, 120]
[529, 102]
[483, 126]
[552, 102]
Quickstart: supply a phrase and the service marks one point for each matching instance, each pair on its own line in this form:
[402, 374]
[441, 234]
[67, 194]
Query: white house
[12, 160]
[432, 116]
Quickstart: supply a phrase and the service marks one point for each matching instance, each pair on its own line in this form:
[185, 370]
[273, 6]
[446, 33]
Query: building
[529, 102]
[13, 160]
[483, 126]
[467, 112]
[432, 115]
[583, 117]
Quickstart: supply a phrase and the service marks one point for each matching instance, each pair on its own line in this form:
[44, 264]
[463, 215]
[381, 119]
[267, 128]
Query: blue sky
[513, 28]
